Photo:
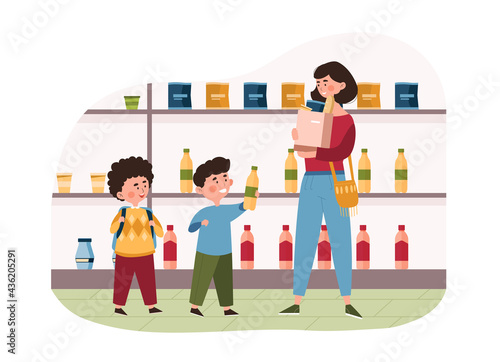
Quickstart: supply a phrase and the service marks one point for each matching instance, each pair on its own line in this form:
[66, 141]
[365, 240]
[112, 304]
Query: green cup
[132, 102]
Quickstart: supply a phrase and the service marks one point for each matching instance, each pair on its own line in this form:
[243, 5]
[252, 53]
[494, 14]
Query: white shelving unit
[149, 117]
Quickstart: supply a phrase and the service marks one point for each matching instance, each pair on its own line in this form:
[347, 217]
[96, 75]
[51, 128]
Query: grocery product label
[286, 251]
[401, 174]
[324, 251]
[89, 260]
[363, 251]
[401, 251]
[291, 174]
[250, 191]
[364, 174]
[247, 248]
[186, 174]
[170, 251]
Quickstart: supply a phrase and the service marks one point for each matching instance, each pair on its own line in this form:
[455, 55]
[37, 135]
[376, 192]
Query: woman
[317, 196]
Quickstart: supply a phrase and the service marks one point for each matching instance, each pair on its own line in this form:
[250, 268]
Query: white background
[88, 50]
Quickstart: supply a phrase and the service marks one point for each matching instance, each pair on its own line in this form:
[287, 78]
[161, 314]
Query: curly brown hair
[211, 167]
[127, 168]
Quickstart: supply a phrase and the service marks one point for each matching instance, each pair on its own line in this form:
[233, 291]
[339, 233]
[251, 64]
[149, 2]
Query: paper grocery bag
[314, 130]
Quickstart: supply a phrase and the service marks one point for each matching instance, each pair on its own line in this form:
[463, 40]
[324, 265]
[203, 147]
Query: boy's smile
[216, 187]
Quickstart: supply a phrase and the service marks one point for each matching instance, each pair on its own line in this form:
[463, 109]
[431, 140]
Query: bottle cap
[254, 168]
[364, 150]
[401, 227]
[246, 227]
[186, 150]
[170, 227]
[286, 227]
[362, 227]
[323, 227]
[401, 150]
[291, 150]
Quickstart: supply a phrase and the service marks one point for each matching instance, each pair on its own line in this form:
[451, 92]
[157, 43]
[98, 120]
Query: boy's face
[134, 190]
[216, 187]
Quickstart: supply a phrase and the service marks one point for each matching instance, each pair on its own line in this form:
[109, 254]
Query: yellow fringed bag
[346, 192]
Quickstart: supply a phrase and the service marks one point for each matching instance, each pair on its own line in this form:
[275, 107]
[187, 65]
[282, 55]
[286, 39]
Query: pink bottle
[362, 249]
[324, 249]
[247, 248]
[170, 248]
[286, 248]
[401, 248]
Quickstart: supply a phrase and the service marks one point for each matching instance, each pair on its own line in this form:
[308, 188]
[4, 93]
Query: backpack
[120, 229]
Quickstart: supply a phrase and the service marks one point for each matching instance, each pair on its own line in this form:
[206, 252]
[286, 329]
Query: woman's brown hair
[340, 74]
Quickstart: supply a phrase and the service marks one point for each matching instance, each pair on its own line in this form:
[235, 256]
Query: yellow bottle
[290, 172]
[250, 200]
[364, 172]
[186, 173]
[401, 174]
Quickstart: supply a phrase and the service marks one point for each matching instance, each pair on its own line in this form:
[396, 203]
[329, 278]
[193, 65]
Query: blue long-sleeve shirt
[215, 238]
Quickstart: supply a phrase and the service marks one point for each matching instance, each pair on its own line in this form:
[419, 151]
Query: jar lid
[84, 240]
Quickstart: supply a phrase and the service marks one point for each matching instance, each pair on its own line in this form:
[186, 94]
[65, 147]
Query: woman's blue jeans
[317, 198]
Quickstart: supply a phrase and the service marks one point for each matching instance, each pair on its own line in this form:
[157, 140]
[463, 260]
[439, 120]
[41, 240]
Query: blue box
[406, 95]
[179, 95]
[255, 95]
[315, 106]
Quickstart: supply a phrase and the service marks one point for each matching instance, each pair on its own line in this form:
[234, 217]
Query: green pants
[220, 267]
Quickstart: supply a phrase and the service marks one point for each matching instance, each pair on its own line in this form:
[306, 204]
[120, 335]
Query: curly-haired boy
[134, 227]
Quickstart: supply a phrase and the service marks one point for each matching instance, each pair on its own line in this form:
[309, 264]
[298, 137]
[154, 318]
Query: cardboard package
[368, 95]
[292, 95]
[218, 95]
[314, 130]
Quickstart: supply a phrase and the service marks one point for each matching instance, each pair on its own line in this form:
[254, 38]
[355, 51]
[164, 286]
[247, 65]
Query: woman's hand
[307, 154]
[295, 134]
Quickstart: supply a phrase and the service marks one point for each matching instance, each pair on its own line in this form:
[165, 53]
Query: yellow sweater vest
[135, 239]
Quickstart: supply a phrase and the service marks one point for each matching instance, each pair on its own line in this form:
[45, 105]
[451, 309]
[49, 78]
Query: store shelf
[270, 195]
[262, 279]
[258, 111]
[116, 111]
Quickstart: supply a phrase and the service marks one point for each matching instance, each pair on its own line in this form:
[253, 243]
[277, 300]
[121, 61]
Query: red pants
[144, 270]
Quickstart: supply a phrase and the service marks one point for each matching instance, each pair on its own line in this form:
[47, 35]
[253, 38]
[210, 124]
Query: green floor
[321, 309]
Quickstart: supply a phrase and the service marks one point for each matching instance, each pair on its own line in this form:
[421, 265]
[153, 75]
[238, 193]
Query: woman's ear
[342, 85]
[230, 182]
[198, 190]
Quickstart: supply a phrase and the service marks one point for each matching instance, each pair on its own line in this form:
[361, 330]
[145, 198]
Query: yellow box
[368, 95]
[218, 95]
[292, 95]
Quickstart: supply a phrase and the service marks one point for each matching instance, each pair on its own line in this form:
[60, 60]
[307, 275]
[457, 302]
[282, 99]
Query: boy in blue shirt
[214, 258]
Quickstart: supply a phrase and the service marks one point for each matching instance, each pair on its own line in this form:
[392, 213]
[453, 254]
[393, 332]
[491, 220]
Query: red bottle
[247, 248]
[286, 248]
[401, 248]
[324, 249]
[170, 248]
[362, 249]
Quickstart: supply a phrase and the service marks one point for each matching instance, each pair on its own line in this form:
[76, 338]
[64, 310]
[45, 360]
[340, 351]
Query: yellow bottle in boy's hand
[250, 199]
[186, 172]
